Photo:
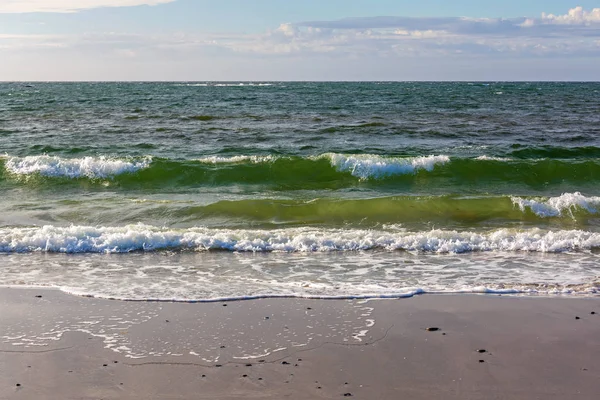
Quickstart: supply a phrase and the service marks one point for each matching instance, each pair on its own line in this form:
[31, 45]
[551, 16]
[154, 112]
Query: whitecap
[90, 167]
[556, 206]
[140, 237]
[367, 166]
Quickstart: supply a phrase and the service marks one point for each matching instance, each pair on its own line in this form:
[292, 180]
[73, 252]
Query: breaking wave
[88, 239]
[87, 167]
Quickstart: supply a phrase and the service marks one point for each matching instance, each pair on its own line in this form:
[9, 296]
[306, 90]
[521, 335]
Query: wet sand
[485, 347]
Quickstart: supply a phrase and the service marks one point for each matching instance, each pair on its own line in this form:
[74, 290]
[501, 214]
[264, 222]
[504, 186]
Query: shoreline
[87, 348]
[590, 293]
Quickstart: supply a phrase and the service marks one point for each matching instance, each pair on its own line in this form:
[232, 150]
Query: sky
[266, 40]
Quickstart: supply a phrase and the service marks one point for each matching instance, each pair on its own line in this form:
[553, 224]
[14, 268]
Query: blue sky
[299, 40]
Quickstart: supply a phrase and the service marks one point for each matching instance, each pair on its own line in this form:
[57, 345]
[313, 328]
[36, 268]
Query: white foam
[556, 206]
[224, 84]
[491, 158]
[87, 239]
[237, 159]
[90, 167]
[367, 166]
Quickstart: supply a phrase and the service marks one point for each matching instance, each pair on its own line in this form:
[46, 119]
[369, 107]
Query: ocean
[211, 191]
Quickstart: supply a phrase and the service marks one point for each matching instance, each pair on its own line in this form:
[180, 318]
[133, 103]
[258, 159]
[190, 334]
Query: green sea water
[302, 189]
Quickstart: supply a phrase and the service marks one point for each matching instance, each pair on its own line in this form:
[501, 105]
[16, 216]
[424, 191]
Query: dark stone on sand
[115, 362]
[482, 351]
[593, 313]
[432, 329]
[166, 320]
[224, 305]
[345, 383]
[260, 379]
[244, 376]
[285, 363]
[267, 317]
[261, 361]
[218, 365]
[69, 371]
[105, 365]
[444, 333]
[309, 308]
[318, 387]
[481, 361]
[18, 384]
[121, 383]
[248, 365]
[299, 359]
[204, 376]
[222, 347]
[347, 394]
[577, 318]
[39, 296]
[295, 365]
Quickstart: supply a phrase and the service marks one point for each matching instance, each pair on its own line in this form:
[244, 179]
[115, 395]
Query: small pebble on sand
[432, 329]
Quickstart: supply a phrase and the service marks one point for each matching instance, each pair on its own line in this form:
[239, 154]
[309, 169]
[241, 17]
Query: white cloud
[575, 15]
[360, 48]
[69, 6]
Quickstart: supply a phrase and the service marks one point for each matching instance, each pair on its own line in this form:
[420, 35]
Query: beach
[53, 345]
[302, 240]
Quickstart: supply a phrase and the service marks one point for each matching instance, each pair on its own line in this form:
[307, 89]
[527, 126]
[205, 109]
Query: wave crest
[90, 167]
[365, 166]
[86, 239]
[555, 206]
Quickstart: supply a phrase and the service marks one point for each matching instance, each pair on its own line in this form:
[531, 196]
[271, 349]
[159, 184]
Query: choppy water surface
[204, 191]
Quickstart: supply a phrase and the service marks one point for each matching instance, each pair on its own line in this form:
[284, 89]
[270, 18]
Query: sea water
[205, 191]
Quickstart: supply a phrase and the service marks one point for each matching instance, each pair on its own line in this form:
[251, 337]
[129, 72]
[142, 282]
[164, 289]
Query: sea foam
[90, 167]
[87, 239]
[237, 159]
[367, 166]
[556, 206]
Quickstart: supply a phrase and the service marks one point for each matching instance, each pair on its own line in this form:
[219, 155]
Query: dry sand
[486, 347]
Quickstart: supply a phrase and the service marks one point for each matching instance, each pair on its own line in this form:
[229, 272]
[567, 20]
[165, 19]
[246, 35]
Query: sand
[59, 346]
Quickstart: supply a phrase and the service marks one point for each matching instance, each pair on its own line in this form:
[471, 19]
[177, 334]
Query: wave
[330, 170]
[87, 167]
[237, 159]
[88, 239]
[556, 206]
[213, 84]
[366, 166]
[460, 211]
